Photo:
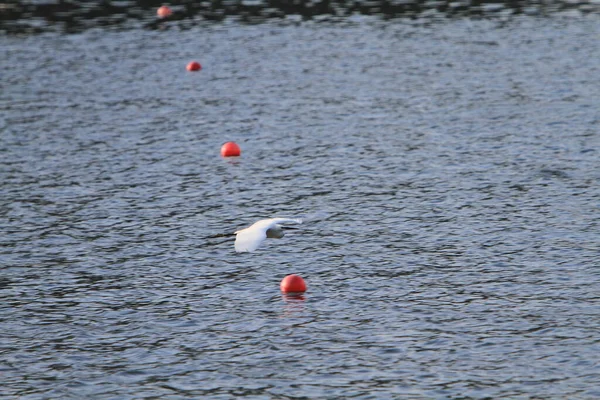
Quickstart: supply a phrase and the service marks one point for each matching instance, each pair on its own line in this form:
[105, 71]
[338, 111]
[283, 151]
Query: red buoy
[230, 149]
[193, 66]
[293, 284]
[164, 12]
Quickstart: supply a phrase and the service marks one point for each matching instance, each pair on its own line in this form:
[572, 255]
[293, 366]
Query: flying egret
[248, 239]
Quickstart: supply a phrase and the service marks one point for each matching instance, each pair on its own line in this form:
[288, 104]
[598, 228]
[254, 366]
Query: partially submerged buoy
[293, 284]
[230, 149]
[193, 66]
[164, 12]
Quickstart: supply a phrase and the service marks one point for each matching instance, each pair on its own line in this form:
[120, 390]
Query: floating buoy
[164, 12]
[193, 66]
[293, 284]
[230, 149]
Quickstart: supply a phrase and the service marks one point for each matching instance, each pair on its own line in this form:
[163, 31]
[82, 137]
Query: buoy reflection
[294, 304]
[293, 297]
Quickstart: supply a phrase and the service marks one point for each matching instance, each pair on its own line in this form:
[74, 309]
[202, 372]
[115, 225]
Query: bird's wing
[266, 224]
[250, 238]
[276, 221]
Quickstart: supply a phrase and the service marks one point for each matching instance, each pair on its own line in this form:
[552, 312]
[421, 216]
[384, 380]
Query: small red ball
[164, 12]
[193, 66]
[230, 149]
[293, 284]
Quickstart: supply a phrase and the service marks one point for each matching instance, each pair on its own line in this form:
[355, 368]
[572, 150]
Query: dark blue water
[448, 175]
[71, 16]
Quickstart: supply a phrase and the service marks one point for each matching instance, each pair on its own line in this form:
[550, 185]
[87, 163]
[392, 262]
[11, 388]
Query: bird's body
[248, 239]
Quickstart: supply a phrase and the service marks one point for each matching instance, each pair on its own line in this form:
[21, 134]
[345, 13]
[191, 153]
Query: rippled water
[448, 175]
[35, 16]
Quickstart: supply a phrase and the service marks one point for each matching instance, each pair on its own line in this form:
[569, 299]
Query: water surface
[447, 173]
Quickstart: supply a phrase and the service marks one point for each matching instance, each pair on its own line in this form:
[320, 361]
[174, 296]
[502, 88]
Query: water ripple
[447, 176]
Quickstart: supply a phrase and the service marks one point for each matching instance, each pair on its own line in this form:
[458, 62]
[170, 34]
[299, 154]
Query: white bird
[248, 239]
